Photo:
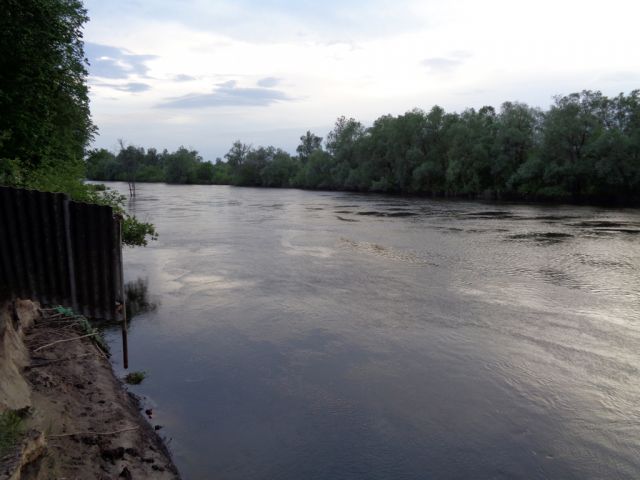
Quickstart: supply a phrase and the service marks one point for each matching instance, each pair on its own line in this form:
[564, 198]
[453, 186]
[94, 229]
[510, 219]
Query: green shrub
[135, 378]
[11, 428]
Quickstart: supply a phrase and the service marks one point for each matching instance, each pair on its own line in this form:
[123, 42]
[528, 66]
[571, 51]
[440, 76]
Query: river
[327, 335]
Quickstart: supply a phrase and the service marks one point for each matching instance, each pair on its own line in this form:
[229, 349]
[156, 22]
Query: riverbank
[78, 419]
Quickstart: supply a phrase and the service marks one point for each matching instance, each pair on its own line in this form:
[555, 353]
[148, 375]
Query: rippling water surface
[323, 335]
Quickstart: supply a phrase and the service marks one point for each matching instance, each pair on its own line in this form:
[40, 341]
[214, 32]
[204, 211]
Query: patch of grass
[135, 378]
[85, 327]
[98, 339]
[11, 428]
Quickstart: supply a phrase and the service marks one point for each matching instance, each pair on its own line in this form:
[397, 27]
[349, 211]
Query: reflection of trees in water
[137, 298]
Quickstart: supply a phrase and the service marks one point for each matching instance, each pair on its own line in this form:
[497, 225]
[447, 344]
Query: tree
[248, 173]
[429, 176]
[472, 140]
[516, 140]
[181, 166]
[237, 154]
[205, 173]
[131, 158]
[101, 165]
[221, 173]
[342, 142]
[317, 172]
[570, 131]
[44, 104]
[309, 143]
[45, 122]
[345, 133]
[280, 170]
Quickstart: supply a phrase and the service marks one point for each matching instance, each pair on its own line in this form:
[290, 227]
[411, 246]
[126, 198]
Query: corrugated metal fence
[58, 251]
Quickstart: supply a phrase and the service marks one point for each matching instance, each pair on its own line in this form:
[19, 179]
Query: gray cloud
[228, 94]
[441, 64]
[132, 87]
[627, 76]
[271, 20]
[228, 84]
[448, 63]
[461, 54]
[183, 78]
[268, 82]
[111, 62]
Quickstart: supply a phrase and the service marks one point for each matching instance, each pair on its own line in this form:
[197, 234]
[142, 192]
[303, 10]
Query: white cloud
[361, 59]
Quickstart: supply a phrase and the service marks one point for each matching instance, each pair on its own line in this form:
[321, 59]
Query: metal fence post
[69, 252]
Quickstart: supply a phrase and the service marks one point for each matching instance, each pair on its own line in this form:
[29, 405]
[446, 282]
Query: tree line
[585, 147]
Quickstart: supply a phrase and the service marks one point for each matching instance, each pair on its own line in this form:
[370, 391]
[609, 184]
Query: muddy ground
[93, 428]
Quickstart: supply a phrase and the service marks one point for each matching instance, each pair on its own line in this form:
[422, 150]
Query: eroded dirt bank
[80, 423]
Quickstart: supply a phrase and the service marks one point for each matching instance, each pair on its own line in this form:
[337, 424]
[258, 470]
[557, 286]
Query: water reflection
[137, 298]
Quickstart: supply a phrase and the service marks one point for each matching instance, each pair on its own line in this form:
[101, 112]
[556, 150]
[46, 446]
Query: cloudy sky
[203, 73]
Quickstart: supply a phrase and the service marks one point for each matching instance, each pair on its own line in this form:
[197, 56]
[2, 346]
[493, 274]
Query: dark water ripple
[325, 335]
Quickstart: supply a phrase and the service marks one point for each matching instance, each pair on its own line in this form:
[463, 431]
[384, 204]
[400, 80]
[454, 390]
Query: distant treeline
[586, 147]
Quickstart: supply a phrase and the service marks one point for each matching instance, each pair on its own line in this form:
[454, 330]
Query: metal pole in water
[125, 345]
[120, 288]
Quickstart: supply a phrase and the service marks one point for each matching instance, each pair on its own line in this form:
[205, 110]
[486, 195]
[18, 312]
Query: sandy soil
[92, 426]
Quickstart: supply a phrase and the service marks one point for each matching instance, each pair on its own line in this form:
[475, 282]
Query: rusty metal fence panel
[58, 251]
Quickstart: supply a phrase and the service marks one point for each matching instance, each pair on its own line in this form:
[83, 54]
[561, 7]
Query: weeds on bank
[11, 428]
[135, 378]
[84, 326]
[87, 328]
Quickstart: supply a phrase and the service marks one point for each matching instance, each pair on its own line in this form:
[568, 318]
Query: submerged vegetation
[137, 298]
[585, 147]
[45, 122]
[135, 378]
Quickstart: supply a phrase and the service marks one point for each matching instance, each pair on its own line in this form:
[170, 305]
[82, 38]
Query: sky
[204, 73]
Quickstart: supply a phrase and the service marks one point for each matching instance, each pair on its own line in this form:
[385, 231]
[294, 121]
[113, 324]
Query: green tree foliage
[586, 147]
[181, 166]
[280, 170]
[518, 127]
[470, 153]
[429, 176]
[136, 233]
[221, 173]
[133, 163]
[309, 143]
[237, 154]
[585, 150]
[45, 122]
[247, 171]
[130, 158]
[342, 144]
[316, 173]
[101, 164]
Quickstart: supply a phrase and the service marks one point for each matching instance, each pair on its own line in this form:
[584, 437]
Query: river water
[323, 335]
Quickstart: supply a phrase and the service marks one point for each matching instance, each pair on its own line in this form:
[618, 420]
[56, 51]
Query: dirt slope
[92, 427]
